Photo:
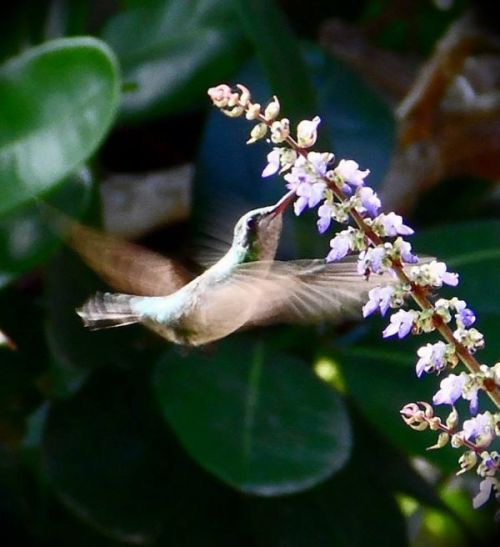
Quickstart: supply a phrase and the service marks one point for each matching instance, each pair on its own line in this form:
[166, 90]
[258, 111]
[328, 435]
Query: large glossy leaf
[172, 51]
[27, 239]
[57, 102]
[259, 421]
[330, 514]
[115, 466]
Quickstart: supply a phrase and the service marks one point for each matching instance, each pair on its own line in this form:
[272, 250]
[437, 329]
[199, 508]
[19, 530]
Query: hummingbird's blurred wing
[303, 291]
[126, 266]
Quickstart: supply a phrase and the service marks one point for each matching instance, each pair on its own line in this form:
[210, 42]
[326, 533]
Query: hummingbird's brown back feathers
[126, 266]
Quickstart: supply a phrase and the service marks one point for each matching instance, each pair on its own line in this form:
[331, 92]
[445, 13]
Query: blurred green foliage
[115, 438]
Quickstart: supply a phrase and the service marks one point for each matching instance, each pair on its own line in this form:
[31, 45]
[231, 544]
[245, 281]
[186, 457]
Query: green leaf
[57, 102]
[114, 464]
[471, 249]
[100, 456]
[261, 422]
[331, 513]
[26, 239]
[173, 51]
[278, 51]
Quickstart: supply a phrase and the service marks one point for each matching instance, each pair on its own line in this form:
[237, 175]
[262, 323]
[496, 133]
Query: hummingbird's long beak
[283, 203]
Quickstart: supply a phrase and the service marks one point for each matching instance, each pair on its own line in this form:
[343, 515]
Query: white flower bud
[253, 111]
[234, 112]
[272, 110]
[280, 130]
[442, 441]
[257, 133]
[307, 132]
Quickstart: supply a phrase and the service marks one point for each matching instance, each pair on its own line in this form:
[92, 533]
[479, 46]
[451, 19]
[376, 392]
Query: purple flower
[316, 194]
[438, 271]
[320, 162]
[466, 317]
[451, 389]
[401, 323]
[340, 245]
[349, 171]
[450, 279]
[432, 358]
[371, 260]
[485, 488]
[472, 396]
[313, 193]
[369, 200]
[325, 217]
[405, 252]
[379, 297]
[298, 175]
[490, 461]
[393, 225]
[299, 205]
[273, 163]
[455, 386]
[480, 425]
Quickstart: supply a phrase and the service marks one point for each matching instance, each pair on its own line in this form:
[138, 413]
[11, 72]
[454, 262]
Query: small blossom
[433, 357]
[340, 245]
[348, 171]
[325, 217]
[307, 132]
[320, 162]
[273, 163]
[466, 317]
[309, 195]
[485, 488]
[300, 205]
[472, 339]
[401, 323]
[369, 200]
[480, 429]
[391, 225]
[433, 274]
[299, 175]
[450, 390]
[379, 298]
[371, 260]
[490, 463]
[288, 159]
[403, 249]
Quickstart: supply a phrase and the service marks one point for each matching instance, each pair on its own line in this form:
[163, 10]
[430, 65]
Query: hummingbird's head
[257, 233]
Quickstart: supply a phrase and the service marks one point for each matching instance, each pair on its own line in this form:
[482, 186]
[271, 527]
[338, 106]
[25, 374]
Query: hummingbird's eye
[251, 223]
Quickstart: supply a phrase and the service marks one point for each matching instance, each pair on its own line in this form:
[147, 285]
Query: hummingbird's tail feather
[107, 310]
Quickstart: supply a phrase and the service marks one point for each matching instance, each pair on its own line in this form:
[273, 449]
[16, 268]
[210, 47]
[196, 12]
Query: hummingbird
[244, 288]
